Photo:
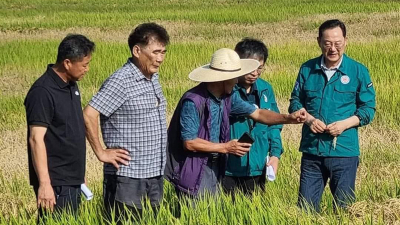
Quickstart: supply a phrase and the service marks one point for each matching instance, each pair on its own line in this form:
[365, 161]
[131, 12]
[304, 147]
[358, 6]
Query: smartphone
[246, 138]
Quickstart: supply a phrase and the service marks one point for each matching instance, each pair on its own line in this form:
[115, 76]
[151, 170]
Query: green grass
[52, 14]
[31, 30]
[28, 59]
[275, 206]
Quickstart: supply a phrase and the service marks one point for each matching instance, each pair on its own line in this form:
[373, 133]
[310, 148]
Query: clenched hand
[298, 117]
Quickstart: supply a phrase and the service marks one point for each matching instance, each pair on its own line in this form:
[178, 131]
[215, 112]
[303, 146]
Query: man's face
[251, 78]
[332, 44]
[229, 84]
[77, 69]
[150, 57]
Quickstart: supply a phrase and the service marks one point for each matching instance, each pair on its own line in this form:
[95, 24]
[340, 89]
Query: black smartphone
[246, 138]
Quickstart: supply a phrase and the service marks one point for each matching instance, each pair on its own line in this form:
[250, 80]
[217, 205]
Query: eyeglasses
[329, 45]
[260, 69]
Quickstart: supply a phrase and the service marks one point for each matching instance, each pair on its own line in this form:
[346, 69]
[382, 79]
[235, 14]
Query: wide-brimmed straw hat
[225, 65]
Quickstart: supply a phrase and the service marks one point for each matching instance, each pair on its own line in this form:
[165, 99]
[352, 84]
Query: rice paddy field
[30, 31]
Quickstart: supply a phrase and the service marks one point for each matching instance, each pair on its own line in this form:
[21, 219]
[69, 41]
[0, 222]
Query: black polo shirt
[54, 104]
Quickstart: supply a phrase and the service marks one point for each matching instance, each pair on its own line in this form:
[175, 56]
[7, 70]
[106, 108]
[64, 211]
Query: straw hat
[225, 65]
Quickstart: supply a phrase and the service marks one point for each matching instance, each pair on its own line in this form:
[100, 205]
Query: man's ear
[318, 40]
[67, 63]
[136, 51]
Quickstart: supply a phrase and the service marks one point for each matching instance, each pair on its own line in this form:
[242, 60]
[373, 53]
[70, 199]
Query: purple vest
[185, 168]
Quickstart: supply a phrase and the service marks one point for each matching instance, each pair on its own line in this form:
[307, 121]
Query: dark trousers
[316, 170]
[125, 195]
[68, 199]
[245, 184]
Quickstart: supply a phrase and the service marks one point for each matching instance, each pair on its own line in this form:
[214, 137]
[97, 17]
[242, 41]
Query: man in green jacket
[339, 97]
[248, 172]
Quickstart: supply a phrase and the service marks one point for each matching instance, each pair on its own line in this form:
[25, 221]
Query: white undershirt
[329, 72]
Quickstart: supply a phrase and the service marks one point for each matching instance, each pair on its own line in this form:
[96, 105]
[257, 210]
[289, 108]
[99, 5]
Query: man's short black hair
[330, 24]
[145, 32]
[249, 47]
[74, 47]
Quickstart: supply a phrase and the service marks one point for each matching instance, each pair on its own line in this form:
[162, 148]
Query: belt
[214, 157]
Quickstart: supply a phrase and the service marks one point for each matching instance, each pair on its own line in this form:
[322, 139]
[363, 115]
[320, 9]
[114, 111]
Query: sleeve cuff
[99, 109]
[188, 138]
[38, 123]
[276, 154]
[254, 109]
[294, 108]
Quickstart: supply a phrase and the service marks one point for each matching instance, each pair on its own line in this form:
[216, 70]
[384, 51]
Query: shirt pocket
[143, 102]
[312, 94]
[345, 94]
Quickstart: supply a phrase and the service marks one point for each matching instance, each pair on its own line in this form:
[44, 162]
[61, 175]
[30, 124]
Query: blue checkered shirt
[133, 117]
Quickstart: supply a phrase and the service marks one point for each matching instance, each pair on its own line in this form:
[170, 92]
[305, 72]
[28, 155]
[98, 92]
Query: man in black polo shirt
[56, 130]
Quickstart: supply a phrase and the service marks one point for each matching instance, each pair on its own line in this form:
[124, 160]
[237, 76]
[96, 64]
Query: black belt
[214, 157]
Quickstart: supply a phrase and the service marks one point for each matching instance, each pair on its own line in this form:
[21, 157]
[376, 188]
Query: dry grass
[390, 210]
[379, 145]
[14, 166]
[12, 83]
[361, 27]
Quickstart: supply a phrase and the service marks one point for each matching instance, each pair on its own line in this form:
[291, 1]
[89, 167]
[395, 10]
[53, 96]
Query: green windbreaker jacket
[349, 92]
[267, 138]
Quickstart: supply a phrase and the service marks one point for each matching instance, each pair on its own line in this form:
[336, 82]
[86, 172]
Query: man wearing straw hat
[199, 136]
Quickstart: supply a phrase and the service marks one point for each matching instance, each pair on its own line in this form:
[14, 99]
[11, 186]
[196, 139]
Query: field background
[30, 31]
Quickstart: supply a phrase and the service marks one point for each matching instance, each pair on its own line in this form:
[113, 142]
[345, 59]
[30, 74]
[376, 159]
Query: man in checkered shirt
[132, 110]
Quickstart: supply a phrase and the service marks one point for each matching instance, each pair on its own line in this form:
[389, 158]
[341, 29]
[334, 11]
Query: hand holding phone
[246, 138]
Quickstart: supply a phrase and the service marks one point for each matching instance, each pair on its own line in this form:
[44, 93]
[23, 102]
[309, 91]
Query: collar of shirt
[253, 89]
[325, 68]
[343, 67]
[62, 84]
[252, 96]
[215, 99]
[138, 74]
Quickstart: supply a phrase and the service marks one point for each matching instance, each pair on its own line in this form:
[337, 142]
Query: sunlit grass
[27, 65]
[198, 28]
[52, 14]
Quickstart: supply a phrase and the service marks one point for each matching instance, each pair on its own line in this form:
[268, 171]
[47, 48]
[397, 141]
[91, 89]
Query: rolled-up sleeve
[240, 107]
[297, 96]
[365, 99]
[189, 121]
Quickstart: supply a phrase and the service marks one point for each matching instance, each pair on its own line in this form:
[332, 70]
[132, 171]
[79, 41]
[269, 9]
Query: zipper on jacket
[248, 153]
[322, 97]
[320, 107]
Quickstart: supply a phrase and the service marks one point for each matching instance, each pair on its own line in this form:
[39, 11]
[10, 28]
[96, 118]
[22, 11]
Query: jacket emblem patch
[345, 79]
